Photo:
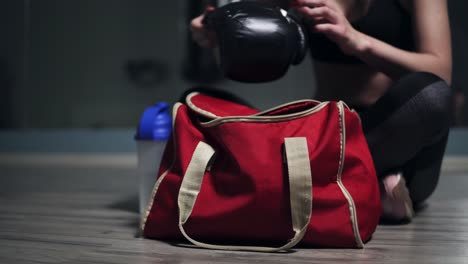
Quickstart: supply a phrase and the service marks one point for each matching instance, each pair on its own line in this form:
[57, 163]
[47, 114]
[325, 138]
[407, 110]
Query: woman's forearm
[395, 62]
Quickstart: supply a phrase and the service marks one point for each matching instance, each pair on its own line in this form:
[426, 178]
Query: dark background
[88, 63]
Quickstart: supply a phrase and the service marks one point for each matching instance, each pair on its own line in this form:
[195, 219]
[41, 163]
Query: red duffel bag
[235, 178]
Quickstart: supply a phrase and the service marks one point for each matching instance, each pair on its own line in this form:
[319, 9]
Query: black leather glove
[257, 41]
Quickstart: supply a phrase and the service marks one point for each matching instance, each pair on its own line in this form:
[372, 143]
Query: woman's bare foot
[396, 202]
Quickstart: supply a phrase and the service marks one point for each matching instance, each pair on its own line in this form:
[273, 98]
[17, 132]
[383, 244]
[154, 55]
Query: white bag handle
[300, 189]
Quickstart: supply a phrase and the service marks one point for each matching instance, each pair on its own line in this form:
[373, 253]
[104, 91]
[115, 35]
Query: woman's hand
[204, 37]
[327, 17]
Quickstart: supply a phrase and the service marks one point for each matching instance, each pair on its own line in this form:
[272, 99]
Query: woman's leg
[407, 131]
[424, 169]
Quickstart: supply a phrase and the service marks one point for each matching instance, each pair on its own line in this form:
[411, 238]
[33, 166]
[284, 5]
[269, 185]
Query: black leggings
[407, 131]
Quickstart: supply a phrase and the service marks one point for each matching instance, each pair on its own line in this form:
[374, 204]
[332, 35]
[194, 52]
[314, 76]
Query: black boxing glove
[257, 41]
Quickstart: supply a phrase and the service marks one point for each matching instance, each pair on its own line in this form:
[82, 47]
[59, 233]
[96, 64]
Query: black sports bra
[386, 20]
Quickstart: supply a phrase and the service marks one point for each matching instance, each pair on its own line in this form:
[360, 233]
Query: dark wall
[459, 27]
[12, 62]
[63, 63]
[77, 56]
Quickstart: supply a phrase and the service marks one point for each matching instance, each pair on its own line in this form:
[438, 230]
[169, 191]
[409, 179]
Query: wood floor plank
[76, 223]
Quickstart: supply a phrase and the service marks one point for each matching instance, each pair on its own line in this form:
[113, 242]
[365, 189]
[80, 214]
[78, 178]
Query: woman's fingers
[320, 14]
[311, 3]
[333, 31]
[318, 3]
[329, 19]
[200, 34]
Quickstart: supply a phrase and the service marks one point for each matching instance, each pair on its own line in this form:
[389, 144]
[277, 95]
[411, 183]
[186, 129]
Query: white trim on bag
[351, 204]
[258, 117]
[264, 119]
[287, 104]
[192, 106]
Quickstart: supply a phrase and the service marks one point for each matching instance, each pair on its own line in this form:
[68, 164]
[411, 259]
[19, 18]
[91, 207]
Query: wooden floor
[77, 215]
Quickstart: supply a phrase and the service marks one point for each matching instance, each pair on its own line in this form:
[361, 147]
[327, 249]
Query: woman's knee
[418, 98]
[429, 96]
[435, 100]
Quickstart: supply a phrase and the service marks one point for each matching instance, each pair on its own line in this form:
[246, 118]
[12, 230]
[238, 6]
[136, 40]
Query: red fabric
[245, 195]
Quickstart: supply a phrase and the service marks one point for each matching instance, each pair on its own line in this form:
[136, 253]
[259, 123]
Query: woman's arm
[431, 34]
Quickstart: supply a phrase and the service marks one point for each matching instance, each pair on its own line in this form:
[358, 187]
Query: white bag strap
[300, 189]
